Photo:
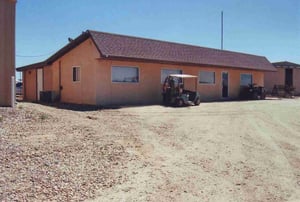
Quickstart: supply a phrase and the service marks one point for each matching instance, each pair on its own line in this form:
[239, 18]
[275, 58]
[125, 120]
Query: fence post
[13, 92]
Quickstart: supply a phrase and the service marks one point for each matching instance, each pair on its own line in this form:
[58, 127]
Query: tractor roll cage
[183, 76]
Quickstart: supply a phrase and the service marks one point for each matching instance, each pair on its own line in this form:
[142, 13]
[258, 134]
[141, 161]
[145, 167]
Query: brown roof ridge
[171, 42]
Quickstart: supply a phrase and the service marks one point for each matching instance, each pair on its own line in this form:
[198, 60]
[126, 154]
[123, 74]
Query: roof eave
[96, 45]
[71, 45]
[122, 58]
[74, 43]
[32, 66]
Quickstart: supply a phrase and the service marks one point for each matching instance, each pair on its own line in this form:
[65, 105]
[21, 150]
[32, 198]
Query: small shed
[287, 74]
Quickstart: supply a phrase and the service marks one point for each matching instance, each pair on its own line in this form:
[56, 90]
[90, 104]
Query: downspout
[36, 85]
[59, 81]
[43, 79]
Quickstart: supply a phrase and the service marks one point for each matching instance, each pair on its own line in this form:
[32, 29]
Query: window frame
[124, 82]
[199, 78]
[78, 73]
[248, 75]
[162, 69]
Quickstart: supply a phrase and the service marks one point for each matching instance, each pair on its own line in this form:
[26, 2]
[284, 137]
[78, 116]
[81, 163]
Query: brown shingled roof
[114, 46]
[120, 46]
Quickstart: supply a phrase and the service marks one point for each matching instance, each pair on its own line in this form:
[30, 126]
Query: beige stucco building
[7, 49]
[109, 69]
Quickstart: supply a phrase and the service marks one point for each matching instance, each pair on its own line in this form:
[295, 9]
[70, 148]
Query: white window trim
[206, 83]
[79, 74]
[166, 68]
[119, 82]
[246, 74]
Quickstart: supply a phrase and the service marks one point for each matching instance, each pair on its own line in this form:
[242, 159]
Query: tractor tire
[255, 96]
[179, 103]
[197, 102]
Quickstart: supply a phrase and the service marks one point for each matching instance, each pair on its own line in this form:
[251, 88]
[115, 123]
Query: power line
[31, 56]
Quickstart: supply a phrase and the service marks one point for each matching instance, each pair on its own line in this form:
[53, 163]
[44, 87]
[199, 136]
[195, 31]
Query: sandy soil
[225, 151]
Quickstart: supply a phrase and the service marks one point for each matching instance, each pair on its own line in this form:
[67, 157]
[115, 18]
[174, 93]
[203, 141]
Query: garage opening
[289, 77]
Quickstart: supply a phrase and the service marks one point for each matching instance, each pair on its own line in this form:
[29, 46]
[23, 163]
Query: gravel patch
[49, 156]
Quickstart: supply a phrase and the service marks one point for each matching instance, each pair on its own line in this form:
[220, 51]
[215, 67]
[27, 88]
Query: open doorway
[224, 84]
[289, 77]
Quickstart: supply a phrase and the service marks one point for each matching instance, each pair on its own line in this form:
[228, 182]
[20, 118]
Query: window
[246, 79]
[206, 77]
[167, 72]
[125, 74]
[76, 73]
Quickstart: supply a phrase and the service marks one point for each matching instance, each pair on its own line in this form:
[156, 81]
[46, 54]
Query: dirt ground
[223, 151]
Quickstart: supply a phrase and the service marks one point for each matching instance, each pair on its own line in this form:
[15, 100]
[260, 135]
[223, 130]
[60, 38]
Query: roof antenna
[222, 30]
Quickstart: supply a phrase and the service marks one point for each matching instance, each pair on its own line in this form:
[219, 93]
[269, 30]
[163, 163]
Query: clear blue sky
[262, 27]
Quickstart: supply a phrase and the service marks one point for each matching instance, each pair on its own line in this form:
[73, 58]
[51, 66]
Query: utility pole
[7, 52]
[222, 30]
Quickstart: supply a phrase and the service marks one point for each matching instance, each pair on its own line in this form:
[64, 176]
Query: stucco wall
[29, 79]
[296, 80]
[47, 80]
[274, 78]
[83, 91]
[148, 89]
[55, 76]
[96, 86]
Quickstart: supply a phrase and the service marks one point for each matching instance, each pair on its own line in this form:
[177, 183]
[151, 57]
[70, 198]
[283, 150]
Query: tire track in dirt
[235, 151]
[235, 162]
[285, 154]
